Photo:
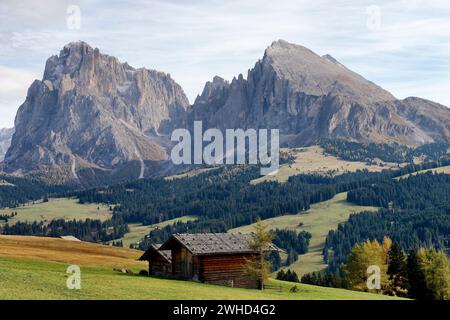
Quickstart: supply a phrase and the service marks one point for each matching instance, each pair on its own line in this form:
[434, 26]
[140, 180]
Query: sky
[402, 45]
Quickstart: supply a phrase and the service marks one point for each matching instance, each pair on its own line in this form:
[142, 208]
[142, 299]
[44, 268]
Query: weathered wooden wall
[158, 266]
[226, 268]
[184, 264]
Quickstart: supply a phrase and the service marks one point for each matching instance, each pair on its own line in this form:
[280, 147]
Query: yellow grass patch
[59, 250]
[61, 208]
[314, 160]
[445, 170]
[190, 173]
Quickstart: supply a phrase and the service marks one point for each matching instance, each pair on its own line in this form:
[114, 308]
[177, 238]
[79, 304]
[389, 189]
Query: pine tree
[294, 277]
[397, 271]
[416, 278]
[292, 256]
[281, 275]
[275, 261]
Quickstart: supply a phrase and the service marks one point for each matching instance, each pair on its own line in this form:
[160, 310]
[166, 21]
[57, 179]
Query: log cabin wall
[184, 264]
[176, 261]
[159, 267]
[227, 270]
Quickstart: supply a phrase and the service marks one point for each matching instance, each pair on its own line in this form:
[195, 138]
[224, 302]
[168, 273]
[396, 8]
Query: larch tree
[361, 257]
[260, 242]
[436, 268]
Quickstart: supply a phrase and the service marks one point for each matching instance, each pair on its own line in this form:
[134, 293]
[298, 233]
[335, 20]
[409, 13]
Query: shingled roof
[154, 250]
[212, 243]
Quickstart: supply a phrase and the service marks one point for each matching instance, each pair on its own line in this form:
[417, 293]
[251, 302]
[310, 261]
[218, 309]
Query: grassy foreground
[319, 220]
[40, 273]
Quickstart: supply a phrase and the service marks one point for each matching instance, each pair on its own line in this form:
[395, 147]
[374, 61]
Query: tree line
[87, 230]
[15, 191]
[418, 192]
[367, 152]
[420, 274]
[385, 268]
[409, 228]
[292, 242]
[416, 212]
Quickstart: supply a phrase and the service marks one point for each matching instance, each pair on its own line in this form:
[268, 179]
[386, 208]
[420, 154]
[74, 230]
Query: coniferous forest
[88, 230]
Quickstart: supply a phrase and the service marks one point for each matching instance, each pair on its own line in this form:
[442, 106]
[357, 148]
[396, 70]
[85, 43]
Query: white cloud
[13, 88]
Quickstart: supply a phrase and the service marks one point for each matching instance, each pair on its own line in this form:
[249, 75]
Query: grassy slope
[35, 268]
[5, 183]
[190, 173]
[319, 220]
[445, 170]
[62, 208]
[138, 231]
[313, 160]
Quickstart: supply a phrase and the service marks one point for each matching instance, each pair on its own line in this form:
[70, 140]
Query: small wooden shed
[159, 261]
[216, 258]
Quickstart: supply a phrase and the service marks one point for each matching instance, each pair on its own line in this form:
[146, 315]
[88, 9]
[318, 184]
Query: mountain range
[311, 97]
[93, 118]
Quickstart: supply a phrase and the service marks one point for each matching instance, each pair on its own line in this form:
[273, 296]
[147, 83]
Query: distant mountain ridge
[94, 118]
[309, 97]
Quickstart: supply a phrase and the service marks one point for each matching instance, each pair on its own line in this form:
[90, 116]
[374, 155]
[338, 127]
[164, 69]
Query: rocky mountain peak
[93, 116]
[212, 88]
[92, 111]
[315, 75]
[308, 97]
[331, 59]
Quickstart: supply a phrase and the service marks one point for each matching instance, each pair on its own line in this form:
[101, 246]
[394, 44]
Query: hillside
[319, 220]
[58, 208]
[35, 268]
[445, 170]
[313, 159]
[137, 231]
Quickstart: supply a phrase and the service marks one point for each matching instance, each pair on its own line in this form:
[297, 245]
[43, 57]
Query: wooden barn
[216, 258]
[159, 261]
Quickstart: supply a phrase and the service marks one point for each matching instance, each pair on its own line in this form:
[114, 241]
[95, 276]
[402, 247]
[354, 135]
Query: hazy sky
[402, 45]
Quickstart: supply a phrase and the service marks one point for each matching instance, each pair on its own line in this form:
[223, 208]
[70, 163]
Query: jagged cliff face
[92, 118]
[91, 111]
[5, 141]
[309, 97]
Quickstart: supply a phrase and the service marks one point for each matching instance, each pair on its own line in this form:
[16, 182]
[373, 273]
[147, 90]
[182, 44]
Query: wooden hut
[216, 258]
[159, 261]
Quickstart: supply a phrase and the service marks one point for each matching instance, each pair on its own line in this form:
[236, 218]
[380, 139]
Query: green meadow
[61, 208]
[319, 220]
[38, 279]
